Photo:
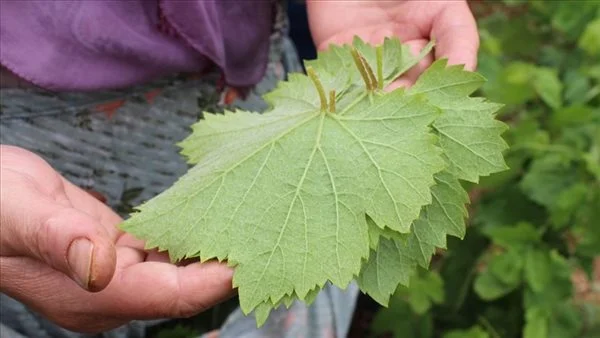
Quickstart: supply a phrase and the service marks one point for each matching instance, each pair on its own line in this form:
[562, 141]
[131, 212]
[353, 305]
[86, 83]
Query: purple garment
[94, 44]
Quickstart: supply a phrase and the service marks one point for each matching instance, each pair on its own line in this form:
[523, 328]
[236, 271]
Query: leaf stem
[358, 61]
[315, 79]
[379, 51]
[332, 101]
[370, 73]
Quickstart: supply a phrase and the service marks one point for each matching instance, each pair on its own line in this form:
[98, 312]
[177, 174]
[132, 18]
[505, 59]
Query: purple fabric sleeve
[90, 45]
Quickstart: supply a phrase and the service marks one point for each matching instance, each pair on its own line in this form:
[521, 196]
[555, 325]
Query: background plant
[526, 266]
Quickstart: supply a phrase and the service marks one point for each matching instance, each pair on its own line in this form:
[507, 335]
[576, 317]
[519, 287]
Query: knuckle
[50, 236]
[41, 237]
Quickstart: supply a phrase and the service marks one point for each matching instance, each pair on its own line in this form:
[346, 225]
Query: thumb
[57, 234]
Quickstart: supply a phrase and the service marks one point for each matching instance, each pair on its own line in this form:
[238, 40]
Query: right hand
[62, 254]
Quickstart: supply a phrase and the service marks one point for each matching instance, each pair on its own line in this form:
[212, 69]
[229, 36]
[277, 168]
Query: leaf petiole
[379, 51]
[365, 71]
[319, 86]
[370, 73]
[332, 101]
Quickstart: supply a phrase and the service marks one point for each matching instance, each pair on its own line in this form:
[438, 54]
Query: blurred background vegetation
[529, 264]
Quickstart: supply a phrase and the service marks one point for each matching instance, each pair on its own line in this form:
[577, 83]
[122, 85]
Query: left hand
[414, 22]
[62, 255]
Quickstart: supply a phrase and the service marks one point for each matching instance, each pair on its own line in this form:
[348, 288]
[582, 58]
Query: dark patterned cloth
[120, 145]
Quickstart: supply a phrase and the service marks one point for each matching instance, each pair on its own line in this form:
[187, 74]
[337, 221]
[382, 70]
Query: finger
[54, 295]
[138, 291]
[455, 32]
[163, 290]
[152, 255]
[374, 35]
[68, 240]
[132, 242]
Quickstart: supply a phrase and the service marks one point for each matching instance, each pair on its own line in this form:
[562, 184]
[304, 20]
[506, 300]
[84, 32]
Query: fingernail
[79, 258]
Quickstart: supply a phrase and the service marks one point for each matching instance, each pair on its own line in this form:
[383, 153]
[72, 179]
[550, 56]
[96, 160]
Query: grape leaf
[288, 209]
[389, 264]
[443, 82]
[395, 259]
[445, 216]
[262, 310]
[301, 195]
[397, 59]
[469, 133]
[470, 136]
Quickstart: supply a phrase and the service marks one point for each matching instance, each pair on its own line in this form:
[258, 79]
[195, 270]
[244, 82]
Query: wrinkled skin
[42, 213]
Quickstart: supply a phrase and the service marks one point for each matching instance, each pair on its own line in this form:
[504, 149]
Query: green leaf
[393, 50]
[426, 289]
[376, 233]
[287, 180]
[470, 137]
[441, 81]
[389, 265]
[502, 275]
[548, 86]
[577, 87]
[397, 59]
[489, 287]
[473, 332]
[395, 259]
[590, 39]
[518, 235]
[468, 131]
[572, 115]
[445, 216]
[179, 331]
[508, 267]
[401, 321]
[538, 269]
[572, 20]
[298, 197]
[547, 178]
[513, 85]
[536, 324]
[557, 291]
[567, 321]
[568, 204]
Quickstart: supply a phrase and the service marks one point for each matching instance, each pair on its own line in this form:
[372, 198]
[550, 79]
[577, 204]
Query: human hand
[62, 255]
[413, 22]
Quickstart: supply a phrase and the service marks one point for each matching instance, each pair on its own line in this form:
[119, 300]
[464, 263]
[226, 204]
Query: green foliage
[535, 224]
[179, 331]
[339, 180]
[474, 332]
